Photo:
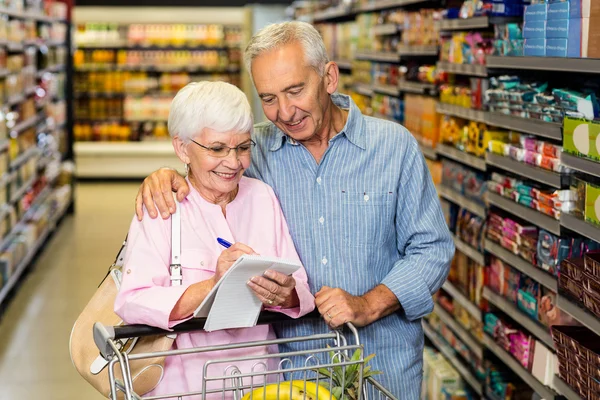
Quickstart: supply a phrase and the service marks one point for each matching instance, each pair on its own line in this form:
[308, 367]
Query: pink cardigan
[254, 218]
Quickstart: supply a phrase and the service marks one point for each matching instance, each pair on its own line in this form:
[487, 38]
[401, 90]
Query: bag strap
[175, 267]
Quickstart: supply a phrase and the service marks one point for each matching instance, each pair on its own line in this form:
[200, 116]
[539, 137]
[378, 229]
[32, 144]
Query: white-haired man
[356, 192]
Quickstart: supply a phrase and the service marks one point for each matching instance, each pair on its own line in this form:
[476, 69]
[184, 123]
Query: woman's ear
[332, 77]
[181, 149]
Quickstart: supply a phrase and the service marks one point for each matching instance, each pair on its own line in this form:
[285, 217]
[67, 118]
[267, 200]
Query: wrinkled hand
[275, 289]
[156, 192]
[338, 307]
[228, 257]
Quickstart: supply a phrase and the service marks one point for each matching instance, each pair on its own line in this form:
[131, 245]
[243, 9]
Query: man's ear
[332, 77]
[181, 149]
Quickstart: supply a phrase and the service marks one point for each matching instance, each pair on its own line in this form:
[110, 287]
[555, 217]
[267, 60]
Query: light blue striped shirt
[367, 214]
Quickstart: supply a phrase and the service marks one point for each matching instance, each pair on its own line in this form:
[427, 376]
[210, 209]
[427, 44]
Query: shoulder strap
[175, 267]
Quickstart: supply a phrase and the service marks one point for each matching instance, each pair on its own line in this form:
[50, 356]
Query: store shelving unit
[462, 112]
[473, 344]
[522, 265]
[418, 50]
[544, 176]
[580, 314]
[581, 164]
[386, 29]
[450, 355]
[462, 157]
[428, 152]
[464, 24]
[417, 87]
[539, 331]
[580, 226]
[542, 129]
[344, 64]
[19, 179]
[542, 390]
[461, 299]
[390, 90]
[380, 56]
[457, 198]
[469, 250]
[535, 217]
[463, 69]
[565, 389]
[581, 65]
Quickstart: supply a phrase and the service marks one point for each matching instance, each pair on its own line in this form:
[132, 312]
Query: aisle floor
[35, 327]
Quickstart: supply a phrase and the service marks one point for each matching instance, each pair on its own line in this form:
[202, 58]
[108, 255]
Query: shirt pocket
[197, 265]
[367, 217]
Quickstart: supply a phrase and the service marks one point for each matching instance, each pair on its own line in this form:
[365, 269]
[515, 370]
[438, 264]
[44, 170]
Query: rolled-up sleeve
[146, 295]
[287, 250]
[423, 239]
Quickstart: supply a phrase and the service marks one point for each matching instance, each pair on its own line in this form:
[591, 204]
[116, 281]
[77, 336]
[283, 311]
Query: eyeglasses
[243, 149]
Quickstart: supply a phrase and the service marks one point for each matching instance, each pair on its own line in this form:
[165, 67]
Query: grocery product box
[559, 10]
[534, 47]
[582, 138]
[536, 12]
[534, 29]
[557, 47]
[583, 8]
[592, 203]
[559, 28]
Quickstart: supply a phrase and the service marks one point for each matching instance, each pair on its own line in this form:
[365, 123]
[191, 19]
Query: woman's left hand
[275, 289]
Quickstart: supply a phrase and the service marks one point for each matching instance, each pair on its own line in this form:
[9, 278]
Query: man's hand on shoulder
[338, 306]
[156, 192]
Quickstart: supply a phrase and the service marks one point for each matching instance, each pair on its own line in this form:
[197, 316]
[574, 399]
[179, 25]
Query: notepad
[231, 303]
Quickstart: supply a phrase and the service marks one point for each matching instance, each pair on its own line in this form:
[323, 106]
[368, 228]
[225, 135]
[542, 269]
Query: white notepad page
[231, 303]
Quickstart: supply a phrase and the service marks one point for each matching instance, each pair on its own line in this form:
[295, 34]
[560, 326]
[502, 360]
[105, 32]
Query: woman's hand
[156, 191]
[275, 289]
[228, 257]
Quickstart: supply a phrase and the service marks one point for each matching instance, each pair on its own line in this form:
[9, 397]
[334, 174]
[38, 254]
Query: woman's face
[217, 177]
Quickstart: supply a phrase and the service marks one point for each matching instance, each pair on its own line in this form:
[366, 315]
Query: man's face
[293, 96]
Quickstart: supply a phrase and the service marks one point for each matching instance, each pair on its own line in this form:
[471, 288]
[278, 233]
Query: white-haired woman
[210, 124]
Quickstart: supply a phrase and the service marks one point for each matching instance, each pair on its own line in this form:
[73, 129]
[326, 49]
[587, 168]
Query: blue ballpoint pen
[224, 243]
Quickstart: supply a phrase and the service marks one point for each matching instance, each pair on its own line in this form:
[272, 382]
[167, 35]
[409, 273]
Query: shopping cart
[326, 365]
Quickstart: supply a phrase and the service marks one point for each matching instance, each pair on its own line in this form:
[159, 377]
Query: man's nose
[286, 110]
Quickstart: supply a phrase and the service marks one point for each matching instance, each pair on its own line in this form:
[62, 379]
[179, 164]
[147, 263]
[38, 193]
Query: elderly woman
[210, 123]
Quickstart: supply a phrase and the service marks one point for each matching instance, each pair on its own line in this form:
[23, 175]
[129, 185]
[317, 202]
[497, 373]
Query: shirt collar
[352, 130]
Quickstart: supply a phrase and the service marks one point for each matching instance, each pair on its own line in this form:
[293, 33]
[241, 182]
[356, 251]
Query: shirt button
[202, 263]
[319, 180]
[128, 271]
[324, 261]
[321, 220]
[366, 197]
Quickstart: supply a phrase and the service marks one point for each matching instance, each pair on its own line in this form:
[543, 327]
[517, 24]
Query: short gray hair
[215, 105]
[276, 35]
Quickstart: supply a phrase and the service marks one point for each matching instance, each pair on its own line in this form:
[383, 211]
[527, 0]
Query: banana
[270, 392]
[311, 390]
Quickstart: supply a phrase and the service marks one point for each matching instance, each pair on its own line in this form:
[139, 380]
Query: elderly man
[358, 197]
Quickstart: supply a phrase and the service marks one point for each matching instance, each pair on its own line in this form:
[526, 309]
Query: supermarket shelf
[428, 152]
[457, 198]
[580, 314]
[473, 344]
[416, 87]
[385, 29]
[469, 251]
[462, 112]
[15, 99]
[565, 389]
[449, 354]
[26, 155]
[52, 69]
[463, 69]
[390, 90]
[462, 300]
[28, 123]
[539, 331]
[574, 65]
[344, 64]
[28, 15]
[14, 46]
[3, 144]
[4, 73]
[541, 128]
[16, 196]
[464, 24]
[580, 226]
[334, 13]
[535, 217]
[542, 390]
[461, 157]
[364, 89]
[537, 174]
[418, 50]
[581, 164]
[157, 69]
[381, 56]
[384, 4]
[525, 267]
[122, 159]
[127, 46]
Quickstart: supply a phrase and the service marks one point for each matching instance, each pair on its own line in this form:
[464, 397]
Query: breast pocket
[197, 265]
[368, 217]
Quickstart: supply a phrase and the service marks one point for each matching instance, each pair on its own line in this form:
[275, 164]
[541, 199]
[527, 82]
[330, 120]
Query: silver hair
[215, 105]
[277, 35]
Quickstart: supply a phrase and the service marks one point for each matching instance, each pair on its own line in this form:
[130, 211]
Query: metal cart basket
[316, 374]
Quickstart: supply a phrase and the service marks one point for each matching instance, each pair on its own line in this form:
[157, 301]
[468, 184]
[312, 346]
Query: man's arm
[422, 236]
[156, 192]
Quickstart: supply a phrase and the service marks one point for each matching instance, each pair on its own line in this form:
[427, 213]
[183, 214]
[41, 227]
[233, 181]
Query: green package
[582, 138]
[592, 204]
